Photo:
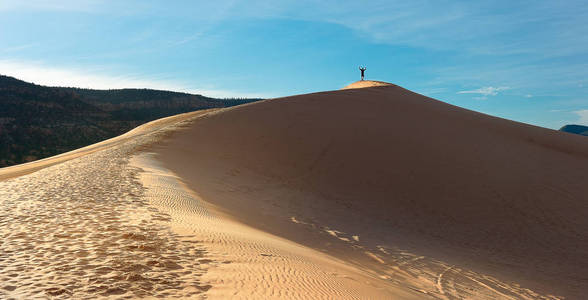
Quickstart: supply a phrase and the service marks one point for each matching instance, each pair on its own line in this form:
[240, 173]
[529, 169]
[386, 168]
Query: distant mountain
[577, 129]
[38, 121]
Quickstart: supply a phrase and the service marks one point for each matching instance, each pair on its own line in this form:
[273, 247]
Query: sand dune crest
[365, 84]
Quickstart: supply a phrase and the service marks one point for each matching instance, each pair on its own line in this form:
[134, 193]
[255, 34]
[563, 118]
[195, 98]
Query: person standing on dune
[362, 69]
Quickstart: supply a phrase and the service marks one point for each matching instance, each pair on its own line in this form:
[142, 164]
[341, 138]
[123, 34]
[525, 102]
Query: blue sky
[521, 60]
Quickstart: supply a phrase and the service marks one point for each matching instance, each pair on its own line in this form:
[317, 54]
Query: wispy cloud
[472, 27]
[486, 91]
[583, 114]
[432, 91]
[17, 48]
[97, 78]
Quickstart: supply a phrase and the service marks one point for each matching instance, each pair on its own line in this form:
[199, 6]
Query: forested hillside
[38, 121]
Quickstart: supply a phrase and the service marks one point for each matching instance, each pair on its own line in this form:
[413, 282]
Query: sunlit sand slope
[82, 227]
[418, 193]
[365, 84]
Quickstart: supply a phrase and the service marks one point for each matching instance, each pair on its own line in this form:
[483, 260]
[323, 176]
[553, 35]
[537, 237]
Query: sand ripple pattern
[250, 264]
[84, 229]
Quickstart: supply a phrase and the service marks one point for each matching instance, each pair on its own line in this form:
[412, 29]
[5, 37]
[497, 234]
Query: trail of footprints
[442, 281]
[84, 229]
[433, 278]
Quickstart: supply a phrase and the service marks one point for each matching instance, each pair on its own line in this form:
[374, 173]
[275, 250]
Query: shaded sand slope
[418, 192]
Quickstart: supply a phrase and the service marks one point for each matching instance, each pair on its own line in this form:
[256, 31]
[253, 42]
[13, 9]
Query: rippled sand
[247, 263]
[84, 228]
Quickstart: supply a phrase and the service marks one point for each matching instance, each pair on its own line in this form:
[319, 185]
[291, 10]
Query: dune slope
[414, 191]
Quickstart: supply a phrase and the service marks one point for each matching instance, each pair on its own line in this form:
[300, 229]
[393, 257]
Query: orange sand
[371, 193]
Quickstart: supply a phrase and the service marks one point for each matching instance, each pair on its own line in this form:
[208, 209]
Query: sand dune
[108, 221]
[363, 193]
[419, 193]
[365, 84]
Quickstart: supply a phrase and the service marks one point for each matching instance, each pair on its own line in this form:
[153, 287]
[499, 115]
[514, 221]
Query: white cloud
[96, 78]
[486, 91]
[432, 91]
[583, 114]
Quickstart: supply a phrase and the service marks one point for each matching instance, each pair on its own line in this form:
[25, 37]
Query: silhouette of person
[362, 69]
